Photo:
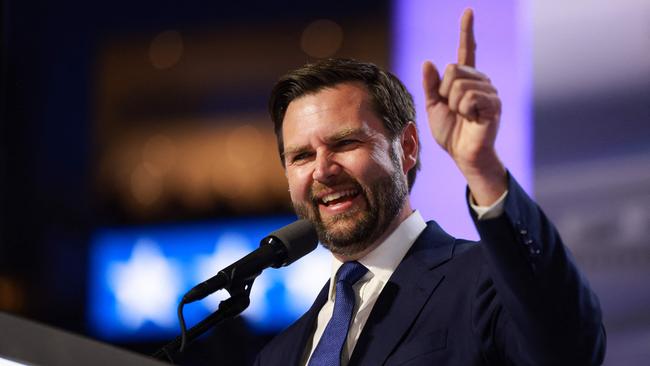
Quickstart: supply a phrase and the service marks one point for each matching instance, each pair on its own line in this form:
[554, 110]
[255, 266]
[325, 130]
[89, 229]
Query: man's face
[344, 174]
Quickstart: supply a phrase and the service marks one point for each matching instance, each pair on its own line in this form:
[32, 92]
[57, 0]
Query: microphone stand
[228, 309]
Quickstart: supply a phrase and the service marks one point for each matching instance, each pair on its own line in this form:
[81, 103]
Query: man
[350, 150]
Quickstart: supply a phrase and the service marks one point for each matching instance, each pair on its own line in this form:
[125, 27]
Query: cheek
[379, 162]
[298, 184]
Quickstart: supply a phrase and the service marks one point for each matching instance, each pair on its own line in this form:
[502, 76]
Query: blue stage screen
[138, 275]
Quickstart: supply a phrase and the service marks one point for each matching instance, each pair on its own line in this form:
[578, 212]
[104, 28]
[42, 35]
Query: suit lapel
[403, 297]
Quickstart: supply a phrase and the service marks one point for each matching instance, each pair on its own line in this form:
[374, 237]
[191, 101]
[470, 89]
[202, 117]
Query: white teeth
[334, 196]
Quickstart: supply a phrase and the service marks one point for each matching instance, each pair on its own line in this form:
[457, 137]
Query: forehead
[341, 107]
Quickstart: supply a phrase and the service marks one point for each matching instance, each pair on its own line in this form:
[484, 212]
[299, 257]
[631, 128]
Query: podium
[24, 342]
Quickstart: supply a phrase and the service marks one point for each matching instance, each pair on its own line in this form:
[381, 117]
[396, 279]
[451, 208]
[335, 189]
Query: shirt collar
[383, 260]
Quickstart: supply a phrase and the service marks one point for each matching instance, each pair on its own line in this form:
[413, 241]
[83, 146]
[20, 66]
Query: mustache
[317, 188]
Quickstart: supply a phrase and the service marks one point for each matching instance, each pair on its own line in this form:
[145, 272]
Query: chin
[347, 238]
[350, 250]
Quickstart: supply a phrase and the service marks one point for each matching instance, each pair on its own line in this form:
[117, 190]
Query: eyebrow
[337, 136]
[343, 134]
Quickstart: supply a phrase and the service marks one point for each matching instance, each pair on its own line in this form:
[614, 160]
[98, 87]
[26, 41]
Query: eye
[300, 157]
[346, 144]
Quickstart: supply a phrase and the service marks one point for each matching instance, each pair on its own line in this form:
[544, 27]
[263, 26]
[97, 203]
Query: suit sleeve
[546, 312]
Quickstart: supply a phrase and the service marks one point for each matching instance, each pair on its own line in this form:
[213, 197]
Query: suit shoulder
[461, 246]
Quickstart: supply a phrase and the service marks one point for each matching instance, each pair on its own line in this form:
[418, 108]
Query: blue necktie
[328, 350]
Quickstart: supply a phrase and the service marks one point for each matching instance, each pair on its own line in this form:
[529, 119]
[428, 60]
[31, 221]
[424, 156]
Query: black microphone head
[299, 238]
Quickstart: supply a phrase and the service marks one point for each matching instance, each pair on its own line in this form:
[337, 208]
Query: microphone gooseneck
[280, 248]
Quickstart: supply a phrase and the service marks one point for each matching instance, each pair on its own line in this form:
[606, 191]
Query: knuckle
[451, 71]
[467, 69]
[472, 95]
[497, 103]
[458, 87]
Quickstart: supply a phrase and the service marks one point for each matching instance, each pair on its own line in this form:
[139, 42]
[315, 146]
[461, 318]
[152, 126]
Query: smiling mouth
[339, 197]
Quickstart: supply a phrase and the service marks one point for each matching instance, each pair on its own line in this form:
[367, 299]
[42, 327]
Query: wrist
[486, 177]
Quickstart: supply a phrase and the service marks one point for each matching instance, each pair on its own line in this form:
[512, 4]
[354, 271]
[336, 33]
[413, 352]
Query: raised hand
[464, 111]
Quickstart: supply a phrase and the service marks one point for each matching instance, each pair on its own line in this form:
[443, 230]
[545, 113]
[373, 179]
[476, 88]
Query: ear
[409, 141]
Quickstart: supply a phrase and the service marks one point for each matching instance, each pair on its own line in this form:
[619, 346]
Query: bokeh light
[321, 38]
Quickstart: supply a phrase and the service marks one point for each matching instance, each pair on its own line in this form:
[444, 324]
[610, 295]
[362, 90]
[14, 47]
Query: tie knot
[351, 272]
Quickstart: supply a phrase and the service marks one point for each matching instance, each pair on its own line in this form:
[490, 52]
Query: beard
[354, 231]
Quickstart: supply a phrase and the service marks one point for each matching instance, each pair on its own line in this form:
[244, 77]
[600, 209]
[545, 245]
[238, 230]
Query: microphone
[280, 248]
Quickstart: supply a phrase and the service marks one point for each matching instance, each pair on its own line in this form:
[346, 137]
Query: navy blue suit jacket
[514, 298]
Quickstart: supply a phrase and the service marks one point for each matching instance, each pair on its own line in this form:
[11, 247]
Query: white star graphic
[306, 277]
[146, 286]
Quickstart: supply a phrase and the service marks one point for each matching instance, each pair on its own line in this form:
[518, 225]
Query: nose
[325, 168]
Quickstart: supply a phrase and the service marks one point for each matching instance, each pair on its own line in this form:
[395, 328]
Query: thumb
[430, 84]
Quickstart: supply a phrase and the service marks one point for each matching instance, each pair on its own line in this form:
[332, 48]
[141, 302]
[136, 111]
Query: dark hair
[391, 101]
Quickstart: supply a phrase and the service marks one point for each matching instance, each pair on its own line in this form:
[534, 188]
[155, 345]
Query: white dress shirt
[381, 264]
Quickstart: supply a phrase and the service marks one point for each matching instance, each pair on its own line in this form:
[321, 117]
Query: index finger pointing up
[467, 46]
